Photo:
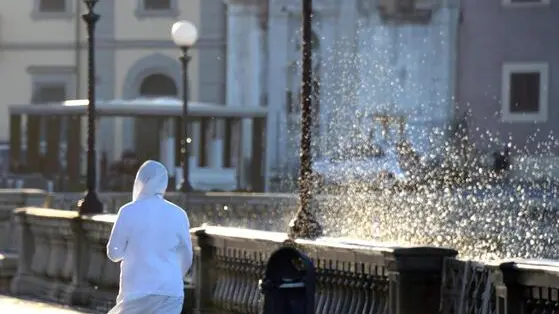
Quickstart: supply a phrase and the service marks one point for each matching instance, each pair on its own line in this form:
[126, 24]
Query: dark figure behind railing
[501, 161]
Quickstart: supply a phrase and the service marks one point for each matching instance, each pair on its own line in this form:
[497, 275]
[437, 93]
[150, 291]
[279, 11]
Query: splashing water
[456, 200]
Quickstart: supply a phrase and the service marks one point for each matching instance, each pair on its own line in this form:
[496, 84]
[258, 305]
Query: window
[52, 84]
[525, 92]
[157, 4]
[154, 8]
[49, 92]
[52, 5]
[52, 9]
[525, 3]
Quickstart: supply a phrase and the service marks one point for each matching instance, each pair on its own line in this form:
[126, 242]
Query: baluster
[347, 288]
[344, 290]
[221, 278]
[230, 284]
[329, 288]
[237, 281]
[261, 272]
[246, 276]
[252, 291]
[377, 303]
[368, 303]
[384, 295]
[338, 282]
[353, 290]
[360, 285]
[320, 286]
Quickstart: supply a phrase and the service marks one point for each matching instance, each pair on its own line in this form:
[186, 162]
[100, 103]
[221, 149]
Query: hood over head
[151, 180]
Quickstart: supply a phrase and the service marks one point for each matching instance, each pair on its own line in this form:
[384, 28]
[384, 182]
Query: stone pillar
[278, 41]
[415, 279]
[258, 148]
[205, 276]
[508, 291]
[245, 57]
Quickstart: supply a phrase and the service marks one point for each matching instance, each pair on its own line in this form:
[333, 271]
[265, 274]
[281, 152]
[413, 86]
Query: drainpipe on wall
[77, 49]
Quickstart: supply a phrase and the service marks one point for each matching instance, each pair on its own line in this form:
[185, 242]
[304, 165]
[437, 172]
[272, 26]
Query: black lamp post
[90, 204]
[305, 225]
[184, 34]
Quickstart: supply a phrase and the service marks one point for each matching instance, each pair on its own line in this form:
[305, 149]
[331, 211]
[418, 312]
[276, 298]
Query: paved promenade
[10, 305]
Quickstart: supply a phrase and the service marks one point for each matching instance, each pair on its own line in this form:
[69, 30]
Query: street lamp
[305, 225]
[90, 204]
[184, 35]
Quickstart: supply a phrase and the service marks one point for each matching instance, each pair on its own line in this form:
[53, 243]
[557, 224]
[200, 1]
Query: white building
[364, 65]
[43, 56]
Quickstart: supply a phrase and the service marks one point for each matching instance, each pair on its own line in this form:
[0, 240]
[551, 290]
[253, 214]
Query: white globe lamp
[184, 34]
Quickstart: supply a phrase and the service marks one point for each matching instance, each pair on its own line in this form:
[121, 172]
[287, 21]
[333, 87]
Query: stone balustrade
[9, 240]
[363, 277]
[62, 259]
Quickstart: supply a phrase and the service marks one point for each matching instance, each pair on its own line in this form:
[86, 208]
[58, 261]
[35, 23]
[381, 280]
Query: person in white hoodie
[151, 240]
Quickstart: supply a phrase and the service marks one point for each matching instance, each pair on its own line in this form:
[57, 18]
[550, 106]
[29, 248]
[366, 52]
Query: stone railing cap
[47, 212]
[22, 191]
[425, 251]
[532, 264]
[240, 233]
[108, 218]
[531, 273]
[343, 243]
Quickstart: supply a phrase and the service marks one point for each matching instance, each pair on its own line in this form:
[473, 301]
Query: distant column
[278, 43]
[33, 160]
[15, 142]
[53, 145]
[258, 154]
[73, 138]
[227, 140]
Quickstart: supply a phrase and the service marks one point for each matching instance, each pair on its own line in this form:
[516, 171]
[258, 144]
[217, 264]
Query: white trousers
[151, 304]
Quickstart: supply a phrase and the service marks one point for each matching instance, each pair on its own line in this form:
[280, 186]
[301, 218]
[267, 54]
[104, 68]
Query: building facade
[363, 65]
[508, 77]
[43, 55]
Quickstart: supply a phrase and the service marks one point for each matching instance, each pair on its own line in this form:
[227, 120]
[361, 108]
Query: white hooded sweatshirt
[151, 239]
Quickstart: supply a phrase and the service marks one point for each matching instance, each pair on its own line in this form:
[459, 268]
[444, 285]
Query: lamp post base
[305, 226]
[90, 204]
[186, 187]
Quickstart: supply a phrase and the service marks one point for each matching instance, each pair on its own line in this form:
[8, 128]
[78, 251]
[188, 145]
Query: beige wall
[28, 42]
[128, 26]
[17, 25]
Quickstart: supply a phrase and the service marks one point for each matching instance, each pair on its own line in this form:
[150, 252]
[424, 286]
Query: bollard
[289, 283]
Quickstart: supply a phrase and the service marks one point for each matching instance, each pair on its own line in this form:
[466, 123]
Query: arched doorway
[147, 140]
[158, 85]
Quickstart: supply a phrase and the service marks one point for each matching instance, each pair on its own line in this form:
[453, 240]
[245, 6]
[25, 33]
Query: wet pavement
[11, 305]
